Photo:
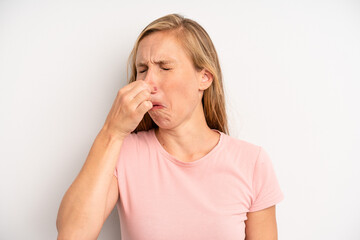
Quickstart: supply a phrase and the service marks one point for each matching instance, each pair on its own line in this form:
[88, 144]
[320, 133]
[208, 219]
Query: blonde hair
[198, 45]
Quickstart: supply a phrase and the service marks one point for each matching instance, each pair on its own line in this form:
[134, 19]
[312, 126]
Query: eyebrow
[159, 62]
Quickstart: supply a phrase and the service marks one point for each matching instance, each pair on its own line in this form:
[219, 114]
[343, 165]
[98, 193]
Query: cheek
[184, 90]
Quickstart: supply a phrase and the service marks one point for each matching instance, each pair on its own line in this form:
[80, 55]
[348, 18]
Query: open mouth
[157, 106]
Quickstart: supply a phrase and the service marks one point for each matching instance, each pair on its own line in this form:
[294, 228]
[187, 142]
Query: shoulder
[134, 144]
[244, 148]
[139, 138]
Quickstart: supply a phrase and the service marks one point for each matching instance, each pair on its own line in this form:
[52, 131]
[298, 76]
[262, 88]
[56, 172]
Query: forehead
[160, 47]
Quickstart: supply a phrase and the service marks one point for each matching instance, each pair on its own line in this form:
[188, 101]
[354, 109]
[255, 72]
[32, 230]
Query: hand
[128, 109]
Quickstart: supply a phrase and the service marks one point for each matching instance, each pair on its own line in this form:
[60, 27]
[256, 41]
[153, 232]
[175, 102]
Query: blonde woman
[164, 156]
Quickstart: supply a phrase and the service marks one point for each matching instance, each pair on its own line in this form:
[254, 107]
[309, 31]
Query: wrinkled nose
[150, 79]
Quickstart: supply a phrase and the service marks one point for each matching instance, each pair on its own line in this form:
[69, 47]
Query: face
[175, 83]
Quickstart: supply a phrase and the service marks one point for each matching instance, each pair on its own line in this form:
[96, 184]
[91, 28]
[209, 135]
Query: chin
[162, 122]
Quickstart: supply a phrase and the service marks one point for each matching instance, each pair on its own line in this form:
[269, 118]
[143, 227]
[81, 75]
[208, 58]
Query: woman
[164, 156]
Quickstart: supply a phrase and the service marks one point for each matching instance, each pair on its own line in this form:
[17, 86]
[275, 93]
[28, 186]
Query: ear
[206, 79]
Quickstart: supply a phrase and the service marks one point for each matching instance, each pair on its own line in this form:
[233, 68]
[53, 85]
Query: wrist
[111, 135]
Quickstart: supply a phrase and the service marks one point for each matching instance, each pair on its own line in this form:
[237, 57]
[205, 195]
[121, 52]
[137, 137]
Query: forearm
[83, 205]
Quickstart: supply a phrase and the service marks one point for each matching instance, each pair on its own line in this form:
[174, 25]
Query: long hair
[198, 45]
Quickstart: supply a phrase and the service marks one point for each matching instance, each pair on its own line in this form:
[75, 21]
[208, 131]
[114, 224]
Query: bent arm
[85, 205]
[261, 225]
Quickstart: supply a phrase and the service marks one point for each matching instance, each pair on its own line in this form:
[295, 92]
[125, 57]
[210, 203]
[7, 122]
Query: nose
[149, 79]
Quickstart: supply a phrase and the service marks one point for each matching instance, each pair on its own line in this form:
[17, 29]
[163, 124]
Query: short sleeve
[127, 147]
[266, 188]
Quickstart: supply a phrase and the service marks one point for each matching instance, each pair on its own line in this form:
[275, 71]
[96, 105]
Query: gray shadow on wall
[111, 227]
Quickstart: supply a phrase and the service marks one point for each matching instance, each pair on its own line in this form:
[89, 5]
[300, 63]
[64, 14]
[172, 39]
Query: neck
[188, 141]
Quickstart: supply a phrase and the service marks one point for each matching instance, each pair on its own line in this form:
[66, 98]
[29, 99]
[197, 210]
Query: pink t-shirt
[162, 198]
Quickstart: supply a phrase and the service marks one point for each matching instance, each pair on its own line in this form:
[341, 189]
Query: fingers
[139, 94]
[141, 102]
[129, 107]
[134, 88]
[144, 107]
[140, 97]
[129, 86]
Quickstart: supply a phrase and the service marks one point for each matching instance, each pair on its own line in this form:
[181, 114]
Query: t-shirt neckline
[160, 148]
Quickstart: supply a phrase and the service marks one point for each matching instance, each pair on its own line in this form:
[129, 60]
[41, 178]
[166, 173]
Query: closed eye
[166, 69]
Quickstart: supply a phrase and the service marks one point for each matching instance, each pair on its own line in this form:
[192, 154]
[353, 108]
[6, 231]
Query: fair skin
[182, 126]
[93, 194]
[182, 131]
[261, 225]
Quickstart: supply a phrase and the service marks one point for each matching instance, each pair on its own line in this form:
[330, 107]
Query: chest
[178, 204]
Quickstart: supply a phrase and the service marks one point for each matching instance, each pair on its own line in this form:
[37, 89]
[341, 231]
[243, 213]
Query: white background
[291, 78]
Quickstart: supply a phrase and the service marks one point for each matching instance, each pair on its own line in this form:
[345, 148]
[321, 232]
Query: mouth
[157, 106]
